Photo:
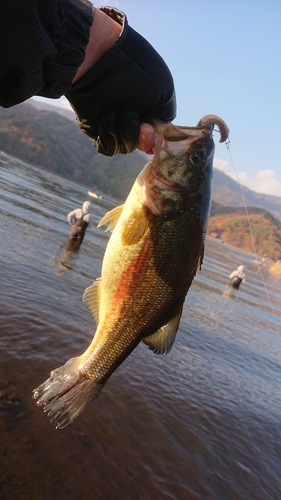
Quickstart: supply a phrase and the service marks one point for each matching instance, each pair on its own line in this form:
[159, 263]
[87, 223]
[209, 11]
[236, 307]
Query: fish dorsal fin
[134, 227]
[91, 299]
[112, 217]
[161, 342]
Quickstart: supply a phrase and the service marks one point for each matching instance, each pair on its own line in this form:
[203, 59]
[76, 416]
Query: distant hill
[227, 191]
[50, 139]
[66, 113]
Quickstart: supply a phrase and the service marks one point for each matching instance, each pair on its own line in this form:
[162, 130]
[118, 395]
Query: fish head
[180, 174]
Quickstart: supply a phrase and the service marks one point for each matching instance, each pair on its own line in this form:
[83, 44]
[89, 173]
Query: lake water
[201, 423]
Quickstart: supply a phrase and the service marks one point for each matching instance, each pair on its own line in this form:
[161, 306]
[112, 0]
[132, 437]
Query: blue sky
[225, 59]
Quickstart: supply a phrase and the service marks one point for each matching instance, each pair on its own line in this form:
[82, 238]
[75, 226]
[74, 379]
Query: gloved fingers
[117, 133]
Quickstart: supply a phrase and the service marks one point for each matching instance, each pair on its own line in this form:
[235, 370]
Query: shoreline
[275, 265]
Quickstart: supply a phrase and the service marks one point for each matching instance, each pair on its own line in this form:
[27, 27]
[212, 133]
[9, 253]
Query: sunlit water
[200, 423]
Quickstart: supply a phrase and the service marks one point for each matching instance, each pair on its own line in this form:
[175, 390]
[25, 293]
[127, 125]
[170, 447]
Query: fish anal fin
[91, 299]
[112, 217]
[134, 227]
[161, 342]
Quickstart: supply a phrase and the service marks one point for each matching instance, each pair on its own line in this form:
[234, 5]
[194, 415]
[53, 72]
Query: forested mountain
[46, 138]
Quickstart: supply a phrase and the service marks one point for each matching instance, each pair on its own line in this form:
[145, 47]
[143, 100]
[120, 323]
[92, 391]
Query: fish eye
[197, 157]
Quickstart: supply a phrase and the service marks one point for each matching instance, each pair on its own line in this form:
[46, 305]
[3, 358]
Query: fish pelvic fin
[91, 299]
[161, 342]
[66, 394]
[112, 217]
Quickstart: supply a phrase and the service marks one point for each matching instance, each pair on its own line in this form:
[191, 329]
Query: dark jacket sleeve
[42, 44]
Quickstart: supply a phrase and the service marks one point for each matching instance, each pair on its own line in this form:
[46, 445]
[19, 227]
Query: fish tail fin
[66, 393]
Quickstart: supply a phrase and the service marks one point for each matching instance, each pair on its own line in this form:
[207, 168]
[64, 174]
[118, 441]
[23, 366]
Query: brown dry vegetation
[276, 268]
[232, 228]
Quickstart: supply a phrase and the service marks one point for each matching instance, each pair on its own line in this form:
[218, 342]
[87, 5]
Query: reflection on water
[200, 423]
[67, 252]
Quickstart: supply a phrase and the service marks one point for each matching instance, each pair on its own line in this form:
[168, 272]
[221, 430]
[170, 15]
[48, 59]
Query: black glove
[130, 84]
[117, 133]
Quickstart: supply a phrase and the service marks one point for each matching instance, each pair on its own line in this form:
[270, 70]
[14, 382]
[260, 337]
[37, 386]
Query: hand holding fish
[150, 261]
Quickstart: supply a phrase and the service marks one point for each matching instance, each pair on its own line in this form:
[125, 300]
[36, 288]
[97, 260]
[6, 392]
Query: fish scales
[150, 261]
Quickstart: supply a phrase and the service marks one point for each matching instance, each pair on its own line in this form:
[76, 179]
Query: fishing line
[227, 144]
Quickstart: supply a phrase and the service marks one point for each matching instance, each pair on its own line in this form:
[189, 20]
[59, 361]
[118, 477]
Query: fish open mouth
[175, 133]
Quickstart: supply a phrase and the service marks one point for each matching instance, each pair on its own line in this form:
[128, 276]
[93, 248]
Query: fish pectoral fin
[112, 217]
[161, 342]
[91, 299]
[134, 227]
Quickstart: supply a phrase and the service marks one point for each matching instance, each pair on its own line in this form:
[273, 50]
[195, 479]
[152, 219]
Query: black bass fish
[150, 261]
